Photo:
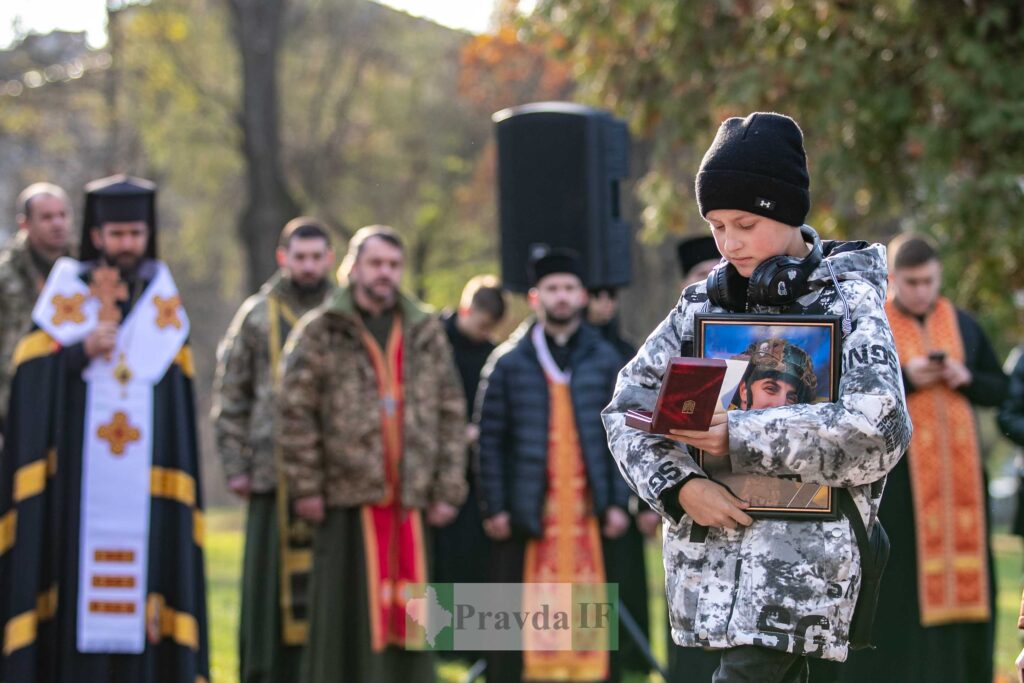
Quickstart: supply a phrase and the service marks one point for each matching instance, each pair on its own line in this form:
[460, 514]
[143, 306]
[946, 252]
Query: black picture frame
[819, 338]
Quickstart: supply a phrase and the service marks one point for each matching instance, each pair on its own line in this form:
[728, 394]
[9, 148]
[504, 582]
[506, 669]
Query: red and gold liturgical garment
[946, 478]
[392, 535]
[570, 549]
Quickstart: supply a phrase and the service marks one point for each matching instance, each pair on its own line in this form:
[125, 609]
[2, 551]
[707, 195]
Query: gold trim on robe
[33, 345]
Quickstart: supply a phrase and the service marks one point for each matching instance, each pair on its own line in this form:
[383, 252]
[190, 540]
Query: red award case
[689, 393]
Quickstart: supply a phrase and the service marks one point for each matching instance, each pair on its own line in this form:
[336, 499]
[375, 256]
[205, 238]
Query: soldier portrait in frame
[792, 360]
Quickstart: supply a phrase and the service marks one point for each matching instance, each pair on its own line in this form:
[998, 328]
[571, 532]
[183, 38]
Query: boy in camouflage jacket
[770, 592]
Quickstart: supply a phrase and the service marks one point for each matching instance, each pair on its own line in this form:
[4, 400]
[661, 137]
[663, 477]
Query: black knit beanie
[756, 164]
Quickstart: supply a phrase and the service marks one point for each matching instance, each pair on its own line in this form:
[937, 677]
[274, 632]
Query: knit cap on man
[756, 164]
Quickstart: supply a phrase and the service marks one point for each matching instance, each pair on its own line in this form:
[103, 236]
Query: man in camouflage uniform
[770, 592]
[272, 627]
[372, 434]
[44, 215]
[779, 374]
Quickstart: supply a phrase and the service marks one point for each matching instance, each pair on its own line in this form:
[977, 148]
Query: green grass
[1009, 563]
[224, 568]
[223, 583]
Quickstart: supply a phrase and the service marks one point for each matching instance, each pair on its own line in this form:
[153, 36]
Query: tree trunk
[258, 28]
[111, 86]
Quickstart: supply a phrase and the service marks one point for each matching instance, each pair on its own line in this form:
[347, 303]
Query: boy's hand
[715, 441]
[710, 504]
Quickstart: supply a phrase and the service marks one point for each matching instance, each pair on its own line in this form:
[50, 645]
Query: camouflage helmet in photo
[779, 359]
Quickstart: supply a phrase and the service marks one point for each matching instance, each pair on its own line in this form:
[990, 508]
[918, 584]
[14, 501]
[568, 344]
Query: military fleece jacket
[243, 386]
[782, 584]
[329, 417]
[20, 282]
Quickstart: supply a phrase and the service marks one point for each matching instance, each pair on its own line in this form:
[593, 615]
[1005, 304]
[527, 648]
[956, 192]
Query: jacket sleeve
[654, 467]
[450, 485]
[1011, 415]
[989, 384]
[233, 395]
[493, 418]
[618, 491]
[300, 435]
[853, 441]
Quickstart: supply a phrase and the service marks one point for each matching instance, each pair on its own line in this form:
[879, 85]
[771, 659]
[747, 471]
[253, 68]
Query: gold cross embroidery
[167, 312]
[119, 433]
[108, 288]
[68, 309]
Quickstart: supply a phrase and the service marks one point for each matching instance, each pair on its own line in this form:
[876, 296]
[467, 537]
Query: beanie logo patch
[763, 203]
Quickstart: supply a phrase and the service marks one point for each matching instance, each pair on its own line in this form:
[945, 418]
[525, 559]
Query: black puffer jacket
[1011, 415]
[513, 415]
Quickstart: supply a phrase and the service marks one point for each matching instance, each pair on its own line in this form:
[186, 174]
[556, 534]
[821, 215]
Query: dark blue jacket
[513, 415]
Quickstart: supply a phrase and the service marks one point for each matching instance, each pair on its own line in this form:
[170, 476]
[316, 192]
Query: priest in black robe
[460, 547]
[936, 607]
[132, 607]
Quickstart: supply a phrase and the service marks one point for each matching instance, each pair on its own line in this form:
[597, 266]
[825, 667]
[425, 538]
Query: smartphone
[937, 356]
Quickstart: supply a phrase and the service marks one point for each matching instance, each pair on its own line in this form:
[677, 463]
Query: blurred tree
[50, 133]
[497, 70]
[182, 85]
[913, 111]
[373, 129]
[500, 70]
[258, 29]
[376, 132]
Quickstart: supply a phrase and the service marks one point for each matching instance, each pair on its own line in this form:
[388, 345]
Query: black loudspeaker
[559, 167]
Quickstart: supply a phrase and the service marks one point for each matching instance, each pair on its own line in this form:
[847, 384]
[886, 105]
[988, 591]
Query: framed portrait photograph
[791, 360]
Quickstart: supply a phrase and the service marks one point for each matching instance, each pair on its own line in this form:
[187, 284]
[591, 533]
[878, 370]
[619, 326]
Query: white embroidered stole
[117, 450]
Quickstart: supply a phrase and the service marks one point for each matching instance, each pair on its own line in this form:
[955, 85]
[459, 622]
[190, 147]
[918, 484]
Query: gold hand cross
[108, 288]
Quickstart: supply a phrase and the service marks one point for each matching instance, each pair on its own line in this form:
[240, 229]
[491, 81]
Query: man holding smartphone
[935, 610]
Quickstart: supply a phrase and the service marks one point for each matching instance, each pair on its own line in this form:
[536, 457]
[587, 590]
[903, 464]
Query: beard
[561, 317]
[307, 287]
[376, 292]
[126, 263]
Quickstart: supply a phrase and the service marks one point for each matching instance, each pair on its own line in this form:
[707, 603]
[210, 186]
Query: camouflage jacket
[243, 388]
[782, 584]
[20, 283]
[329, 411]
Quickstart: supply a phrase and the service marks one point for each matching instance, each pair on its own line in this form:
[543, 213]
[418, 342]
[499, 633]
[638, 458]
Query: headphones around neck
[777, 281]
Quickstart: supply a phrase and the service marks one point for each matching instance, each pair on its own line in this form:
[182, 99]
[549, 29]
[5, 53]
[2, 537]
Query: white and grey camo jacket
[781, 584]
